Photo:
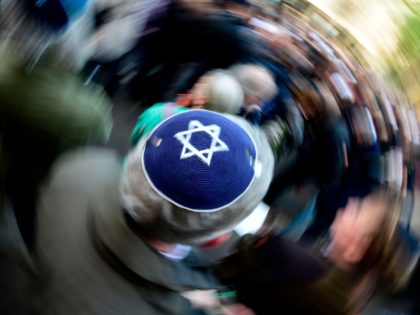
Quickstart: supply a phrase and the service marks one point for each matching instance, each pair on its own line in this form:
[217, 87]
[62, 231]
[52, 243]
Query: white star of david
[205, 155]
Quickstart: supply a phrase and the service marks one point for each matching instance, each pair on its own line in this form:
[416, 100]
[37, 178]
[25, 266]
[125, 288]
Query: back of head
[257, 82]
[196, 176]
[225, 94]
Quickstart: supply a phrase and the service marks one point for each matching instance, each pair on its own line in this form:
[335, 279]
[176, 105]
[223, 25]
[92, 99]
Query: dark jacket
[44, 110]
[185, 41]
[275, 276]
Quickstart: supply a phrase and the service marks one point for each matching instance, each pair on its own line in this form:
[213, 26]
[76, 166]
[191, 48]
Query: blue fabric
[299, 225]
[253, 117]
[183, 167]
[55, 14]
[73, 7]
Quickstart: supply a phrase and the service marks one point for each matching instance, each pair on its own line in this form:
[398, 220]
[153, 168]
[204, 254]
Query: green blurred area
[404, 68]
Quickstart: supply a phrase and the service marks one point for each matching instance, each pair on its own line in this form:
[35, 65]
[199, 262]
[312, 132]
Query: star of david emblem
[205, 155]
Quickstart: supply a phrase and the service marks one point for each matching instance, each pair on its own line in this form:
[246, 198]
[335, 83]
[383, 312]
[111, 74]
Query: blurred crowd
[269, 172]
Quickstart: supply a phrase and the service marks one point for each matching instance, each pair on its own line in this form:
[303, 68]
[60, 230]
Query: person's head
[364, 236]
[196, 176]
[218, 90]
[257, 82]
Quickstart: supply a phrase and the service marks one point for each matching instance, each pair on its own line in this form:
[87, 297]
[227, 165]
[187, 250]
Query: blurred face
[251, 101]
[353, 230]
[199, 92]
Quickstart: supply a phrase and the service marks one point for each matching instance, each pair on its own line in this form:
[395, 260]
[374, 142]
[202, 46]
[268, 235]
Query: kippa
[200, 160]
[190, 190]
[55, 14]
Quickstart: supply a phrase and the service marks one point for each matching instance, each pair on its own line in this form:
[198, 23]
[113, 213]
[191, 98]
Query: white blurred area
[373, 23]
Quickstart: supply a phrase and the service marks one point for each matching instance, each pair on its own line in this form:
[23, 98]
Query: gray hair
[225, 94]
[164, 221]
[256, 81]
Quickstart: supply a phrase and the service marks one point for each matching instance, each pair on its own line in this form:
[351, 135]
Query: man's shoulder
[84, 169]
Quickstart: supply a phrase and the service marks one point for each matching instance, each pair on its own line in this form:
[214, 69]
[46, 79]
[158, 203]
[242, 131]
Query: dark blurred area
[209, 157]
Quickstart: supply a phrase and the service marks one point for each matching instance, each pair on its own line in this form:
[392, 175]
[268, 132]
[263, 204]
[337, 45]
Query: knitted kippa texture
[200, 160]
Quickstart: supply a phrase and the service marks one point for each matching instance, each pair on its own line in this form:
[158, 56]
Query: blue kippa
[55, 14]
[200, 160]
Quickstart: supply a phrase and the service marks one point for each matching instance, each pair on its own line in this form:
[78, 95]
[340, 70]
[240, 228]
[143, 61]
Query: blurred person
[362, 173]
[112, 38]
[322, 156]
[293, 194]
[258, 85]
[293, 54]
[120, 27]
[318, 164]
[204, 41]
[44, 110]
[44, 107]
[283, 105]
[117, 240]
[272, 275]
[216, 90]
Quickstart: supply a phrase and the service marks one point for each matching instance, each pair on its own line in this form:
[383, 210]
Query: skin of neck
[167, 247]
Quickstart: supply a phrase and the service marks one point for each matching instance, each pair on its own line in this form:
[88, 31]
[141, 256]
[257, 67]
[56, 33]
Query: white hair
[225, 94]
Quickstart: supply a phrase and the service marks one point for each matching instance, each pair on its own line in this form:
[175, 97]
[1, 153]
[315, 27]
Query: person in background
[322, 156]
[205, 40]
[259, 87]
[365, 251]
[362, 174]
[44, 107]
[238, 12]
[110, 39]
[216, 90]
[220, 91]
